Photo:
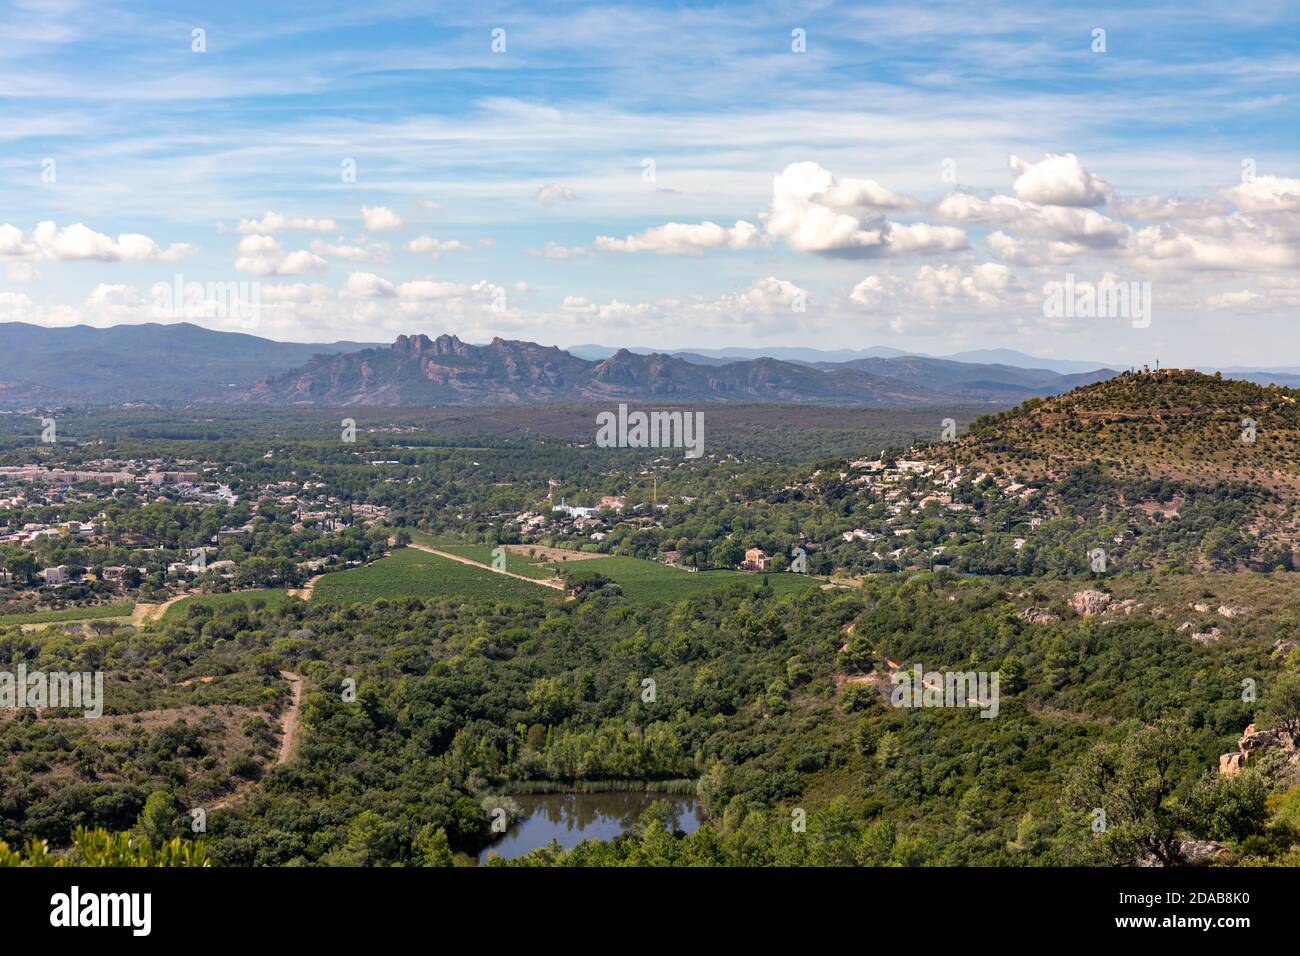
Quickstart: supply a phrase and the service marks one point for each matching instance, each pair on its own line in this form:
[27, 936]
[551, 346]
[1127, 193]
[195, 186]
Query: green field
[410, 572]
[515, 563]
[651, 582]
[266, 597]
[94, 612]
[413, 573]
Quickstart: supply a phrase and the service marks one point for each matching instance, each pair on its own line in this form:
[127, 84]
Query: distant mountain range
[818, 356]
[187, 363]
[150, 362]
[1288, 376]
[418, 370]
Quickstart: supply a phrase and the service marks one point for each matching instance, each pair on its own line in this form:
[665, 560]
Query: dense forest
[457, 705]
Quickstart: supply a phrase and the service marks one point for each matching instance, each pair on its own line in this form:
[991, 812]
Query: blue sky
[913, 178]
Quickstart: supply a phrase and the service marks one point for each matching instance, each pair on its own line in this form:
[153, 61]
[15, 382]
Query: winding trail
[290, 731]
[291, 722]
[304, 592]
[144, 613]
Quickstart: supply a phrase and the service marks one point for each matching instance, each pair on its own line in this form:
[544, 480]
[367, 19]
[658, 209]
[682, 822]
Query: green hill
[1173, 423]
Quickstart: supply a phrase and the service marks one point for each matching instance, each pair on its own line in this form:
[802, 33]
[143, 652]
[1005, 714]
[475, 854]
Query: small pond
[570, 818]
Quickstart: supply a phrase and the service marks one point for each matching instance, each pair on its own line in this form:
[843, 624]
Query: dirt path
[555, 583]
[304, 592]
[291, 722]
[144, 613]
[290, 730]
[140, 614]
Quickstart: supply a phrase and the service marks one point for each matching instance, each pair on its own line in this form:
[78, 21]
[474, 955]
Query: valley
[469, 614]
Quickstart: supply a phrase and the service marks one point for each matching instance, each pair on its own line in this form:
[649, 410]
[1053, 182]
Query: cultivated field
[516, 563]
[413, 573]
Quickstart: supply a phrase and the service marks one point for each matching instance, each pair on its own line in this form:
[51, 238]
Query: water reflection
[570, 818]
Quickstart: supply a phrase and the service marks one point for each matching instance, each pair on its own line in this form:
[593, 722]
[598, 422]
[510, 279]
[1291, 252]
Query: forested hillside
[767, 705]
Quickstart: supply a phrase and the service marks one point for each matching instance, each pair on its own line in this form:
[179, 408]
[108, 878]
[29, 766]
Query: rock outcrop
[1038, 615]
[1088, 603]
[1252, 741]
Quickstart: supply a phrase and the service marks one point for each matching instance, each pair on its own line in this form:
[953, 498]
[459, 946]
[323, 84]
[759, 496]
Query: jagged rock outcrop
[1038, 615]
[1090, 602]
[1252, 741]
[1231, 764]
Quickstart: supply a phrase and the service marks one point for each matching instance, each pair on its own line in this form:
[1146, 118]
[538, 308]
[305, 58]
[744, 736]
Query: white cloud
[16, 307]
[1084, 226]
[553, 250]
[380, 219]
[1031, 252]
[275, 222]
[78, 241]
[990, 285]
[553, 193]
[769, 295]
[424, 290]
[1066, 224]
[367, 285]
[577, 303]
[1271, 293]
[927, 298]
[769, 305]
[296, 292]
[262, 256]
[427, 245]
[1236, 242]
[1265, 194]
[967, 207]
[809, 212]
[1057, 181]
[13, 245]
[1165, 207]
[685, 239]
[842, 193]
[361, 252]
[117, 303]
